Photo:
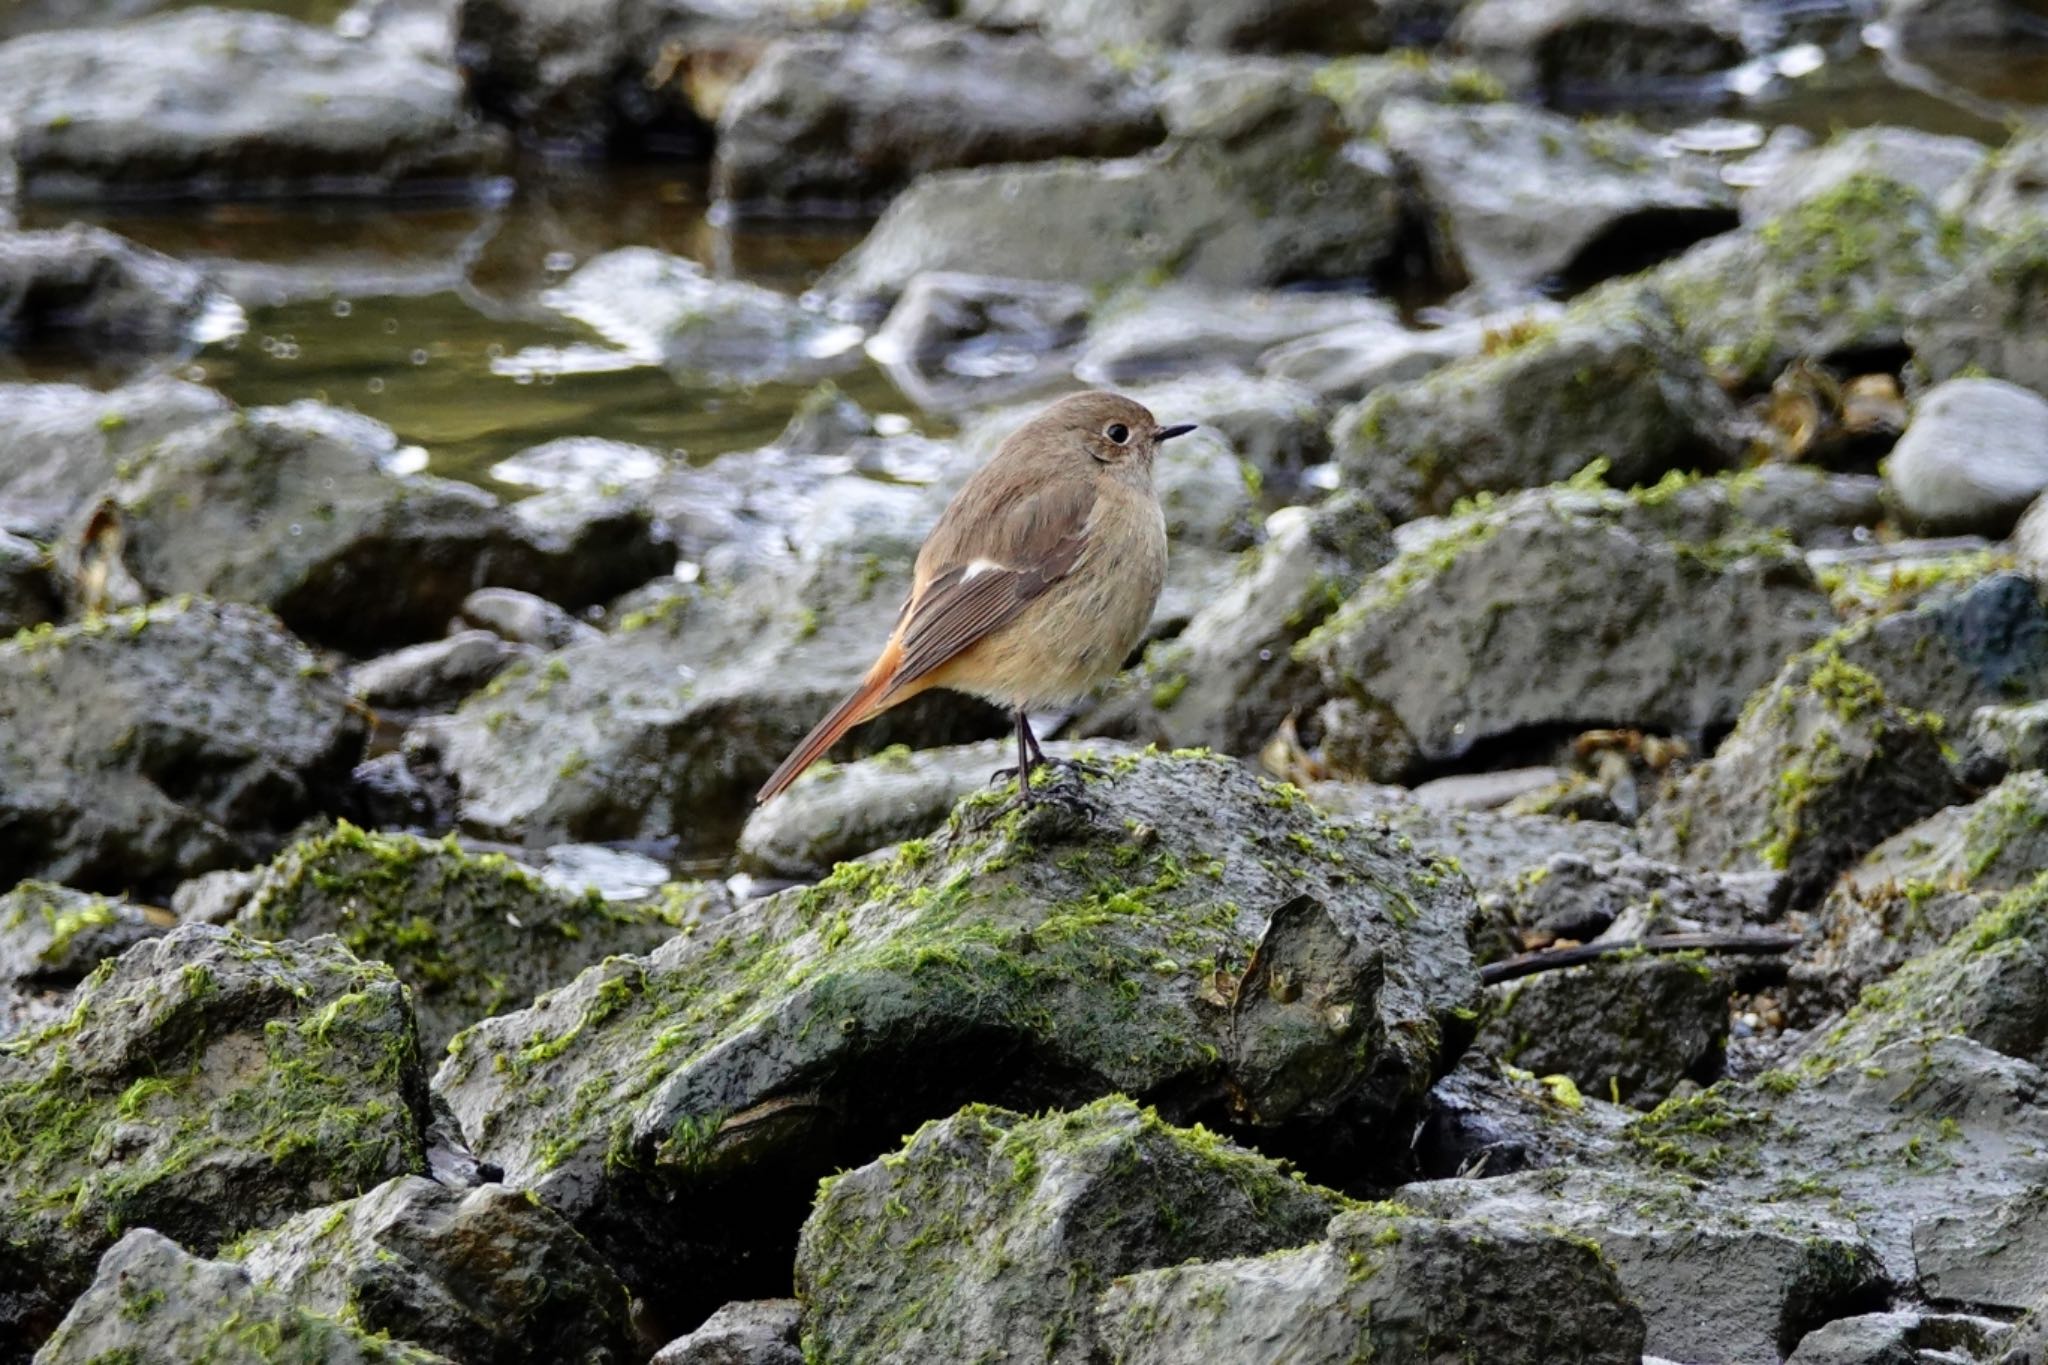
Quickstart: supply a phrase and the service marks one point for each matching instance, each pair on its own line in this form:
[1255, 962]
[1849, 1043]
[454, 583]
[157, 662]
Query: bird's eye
[1118, 432]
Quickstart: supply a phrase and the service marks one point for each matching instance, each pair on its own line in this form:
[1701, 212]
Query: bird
[1036, 583]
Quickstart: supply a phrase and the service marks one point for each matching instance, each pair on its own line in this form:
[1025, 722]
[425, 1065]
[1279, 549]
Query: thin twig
[1550, 959]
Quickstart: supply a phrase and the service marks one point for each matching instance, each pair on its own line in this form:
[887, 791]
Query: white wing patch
[978, 568]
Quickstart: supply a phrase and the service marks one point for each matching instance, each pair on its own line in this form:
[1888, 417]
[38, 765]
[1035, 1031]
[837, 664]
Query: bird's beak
[1168, 433]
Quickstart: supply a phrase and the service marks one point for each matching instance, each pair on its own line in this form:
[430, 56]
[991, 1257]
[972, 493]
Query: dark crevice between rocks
[1642, 240]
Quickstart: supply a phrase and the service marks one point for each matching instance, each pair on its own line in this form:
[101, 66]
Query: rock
[1230, 678]
[136, 110]
[1571, 895]
[154, 1303]
[759, 1332]
[433, 674]
[665, 727]
[28, 597]
[62, 442]
[1905, 1337]
[850, 120]
[1485, 1119]
[1231, 26]
[1633, 1029]
[1091, 966]
[154, 745]
[1597, 386]
[1713, 1279]
[955, 338]
[1389, 1282]
[1517, 196]
[1364, 86]
[1575, 51]
[524, 619]
[294, 509]
[1834, 279]
[1822, 766]
[2006, 192]
[471, 934]
[2008, 738]
[1930, 164]
[841, 811]
[482, 1275]
[1980, 322]
[1974, 457]
[1993, 48]
[582, 464]
[1999, 1262]
[1347, 363]
[1019, 1223]
[549, 70]
[204, 1084]
[582, 548]
[1265, 191]
[214, 897]
[1163, 333]
[86, 288]
[51, 937]
[1508, 619]
[659, 309]
[1493, 849]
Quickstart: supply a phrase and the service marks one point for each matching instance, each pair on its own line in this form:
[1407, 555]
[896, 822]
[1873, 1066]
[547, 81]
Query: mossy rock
[152, 745]
[154, 1303]
[473, 934]
[1987, 320]
[203, 1084]
[487, 1276]
[990, 1234]
[1390, 1283]
[1176, 929]
[52, 936]
[1663, 609]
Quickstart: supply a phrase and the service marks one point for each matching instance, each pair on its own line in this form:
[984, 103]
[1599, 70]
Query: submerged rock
[483, 1276]
[137, 110]
[472, 935]
[1575, 51]
[850, 119]
[1537, 410]
[147, 747]
[154, 1303]
[989, 1228]
[1176, 930]
[204, 1084]
[85, 287]
[1974, 457]
[953, 339]
[1154, 334]
[1389, 1282]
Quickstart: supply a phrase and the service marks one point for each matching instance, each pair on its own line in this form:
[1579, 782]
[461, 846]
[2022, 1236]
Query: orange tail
[871, 698]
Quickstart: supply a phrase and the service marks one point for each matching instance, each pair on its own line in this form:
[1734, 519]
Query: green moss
[1167, 691]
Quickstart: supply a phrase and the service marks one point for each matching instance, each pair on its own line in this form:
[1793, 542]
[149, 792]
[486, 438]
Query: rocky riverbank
[1562, 881]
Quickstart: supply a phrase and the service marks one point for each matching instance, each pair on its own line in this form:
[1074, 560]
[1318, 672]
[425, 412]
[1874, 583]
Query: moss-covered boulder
[152, 745]
[1713, 1279]
[154, 1303]
[1605, 383]
[1231, 677]
[204, 1084]
[1663, 610]
[1629, 1028]
[1389, 1283]
[50, 937]
[482, 1276]
[1176, 929]
[1985, 320]
[473, 934]
[1821, 766]
[991, 1233]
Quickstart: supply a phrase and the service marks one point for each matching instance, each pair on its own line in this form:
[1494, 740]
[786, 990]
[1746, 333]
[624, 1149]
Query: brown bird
[1037, 582]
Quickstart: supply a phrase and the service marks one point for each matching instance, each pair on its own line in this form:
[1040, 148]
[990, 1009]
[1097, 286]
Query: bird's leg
[1038, 758]
[1025, 756]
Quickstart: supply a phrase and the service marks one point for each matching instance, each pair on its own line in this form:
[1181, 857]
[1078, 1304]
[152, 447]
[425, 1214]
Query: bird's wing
[982, 577]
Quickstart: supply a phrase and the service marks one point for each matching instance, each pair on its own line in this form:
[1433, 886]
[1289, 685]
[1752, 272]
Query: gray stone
[1265, 191]
[1571, 895]
[1388, 1283]
[1516, 196]
[1983, 321]
[214, 897]
[204, 1084]
[1210, 25]
[435, 673]
[137, 110]
[989, 1229]
[85, 287]
[1995, 49]
[753, 1045]
[1507, 618]
[1631, 1029]
[51, 937]
[842, 120]
[1566, 49]
[1156, 334]
[1931, 164]
[60, 443]
[1974, 457]
[524, 618]
[1485, 1119]
[755, 1332]
[1906, 1337]
[472, 935]
[1997, 1263]
[2010, 737]
[1600, 385]
[2008, 191]
[154, 1303]
[481, 1276]
[150, 746]
[28, 596]
[955, 338]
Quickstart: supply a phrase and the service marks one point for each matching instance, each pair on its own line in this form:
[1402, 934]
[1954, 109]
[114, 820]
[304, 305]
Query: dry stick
[1549, 959]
